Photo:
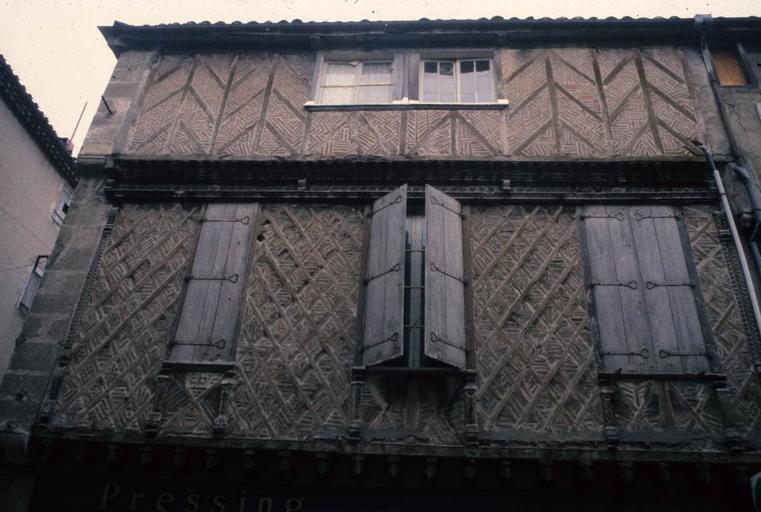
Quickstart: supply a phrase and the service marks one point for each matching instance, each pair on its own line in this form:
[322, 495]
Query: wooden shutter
[384, 295]
[210, 310]
[669, 291]
[644, 299]
[444, 279]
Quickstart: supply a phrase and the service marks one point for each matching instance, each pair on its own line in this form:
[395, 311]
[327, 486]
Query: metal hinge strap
[233, 278]
[631, 284]
[435, 338]
[638, 216]
[618, 216]
[395, 268]
[663, 354]
[220, 344]
[643, 353]
[439, 203]
[243, 220]
[436, 268]
[397, 200]
[393, 338]
[650, 285]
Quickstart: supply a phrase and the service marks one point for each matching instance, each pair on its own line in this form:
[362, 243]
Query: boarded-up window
[206, 330]
[415, 285]
[729, 70]
[647, 309]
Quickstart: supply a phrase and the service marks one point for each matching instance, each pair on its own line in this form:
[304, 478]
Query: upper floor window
[62, 206]
[457, 81]
[32, 284]
[357, 82]
[728, 65]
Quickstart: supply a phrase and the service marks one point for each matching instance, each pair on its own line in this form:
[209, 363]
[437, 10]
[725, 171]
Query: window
[646, 298]
[457, 81]
[357, 82]
[415, 283]
[209, 316]
[729, 69]
[32, 284]
[62, 207]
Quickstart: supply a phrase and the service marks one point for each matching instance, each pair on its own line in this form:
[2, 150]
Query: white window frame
[64, 201]
[34, 279]
[456, 71]
[356, 85]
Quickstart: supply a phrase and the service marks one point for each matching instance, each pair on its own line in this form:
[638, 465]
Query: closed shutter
[444, 279]
[644, 299]
[383, 338]
[212, 301]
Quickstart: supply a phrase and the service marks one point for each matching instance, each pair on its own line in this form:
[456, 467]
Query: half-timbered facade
[405, 266]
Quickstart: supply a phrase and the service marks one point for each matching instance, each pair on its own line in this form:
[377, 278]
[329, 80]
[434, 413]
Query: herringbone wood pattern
[581, 102]
[533, 350]
[120, 342]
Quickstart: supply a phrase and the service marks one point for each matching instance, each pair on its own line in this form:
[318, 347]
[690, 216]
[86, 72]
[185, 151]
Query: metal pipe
[735, 235]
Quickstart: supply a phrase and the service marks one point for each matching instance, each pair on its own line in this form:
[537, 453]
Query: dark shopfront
[175, 479]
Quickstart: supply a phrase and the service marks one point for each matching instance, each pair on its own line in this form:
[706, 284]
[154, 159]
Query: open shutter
[212, 301]
[669, 291]
[384, 295]
[444, 279]
[617, 287]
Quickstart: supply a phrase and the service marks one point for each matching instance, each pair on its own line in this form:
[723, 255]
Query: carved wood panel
[565, 102]
[121, 339]
[534, 355]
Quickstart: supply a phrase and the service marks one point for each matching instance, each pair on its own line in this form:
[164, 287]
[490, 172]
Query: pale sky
[59, 55]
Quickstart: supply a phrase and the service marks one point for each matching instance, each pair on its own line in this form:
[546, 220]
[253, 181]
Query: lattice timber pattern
[564, 102]
[120, 342]
[534, 355]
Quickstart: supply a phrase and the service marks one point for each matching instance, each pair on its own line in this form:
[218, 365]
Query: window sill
[405, 104]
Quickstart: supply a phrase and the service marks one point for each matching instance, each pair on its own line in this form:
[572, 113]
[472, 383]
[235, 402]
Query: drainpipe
[752, 191]
[735, 235]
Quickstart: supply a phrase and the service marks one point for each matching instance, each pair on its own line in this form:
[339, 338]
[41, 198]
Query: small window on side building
[729, 69]
[32, 284]
[62, 207]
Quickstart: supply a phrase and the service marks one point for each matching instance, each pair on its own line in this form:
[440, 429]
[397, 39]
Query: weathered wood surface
[570, 102]
[534, 354]
[444, 279]
[383, 337]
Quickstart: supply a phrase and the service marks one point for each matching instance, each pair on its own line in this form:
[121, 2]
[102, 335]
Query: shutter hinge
[439, 203]
[650, 285]
[643, 353]
[395, 268]
[436, 339]
[233, 278]
[393, 339]
[631, 284]
[243, 220]
[619, 216]
[397, 200]
[638, 216]
[436, 268]
[220, 343]
[663, 354]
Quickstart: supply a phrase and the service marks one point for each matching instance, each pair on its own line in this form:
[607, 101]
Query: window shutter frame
[383, 326]
[208, 321]
[445, 327]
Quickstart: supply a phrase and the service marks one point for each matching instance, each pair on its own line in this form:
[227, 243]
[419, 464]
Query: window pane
[430, 67]
[446, 83]
[467, 82]
[430, 83]
[446, 68]
[466, 66]
[376, 73]
[374, 94]
[484, 82]
[728, 67]
[342, 95]
[340, 73]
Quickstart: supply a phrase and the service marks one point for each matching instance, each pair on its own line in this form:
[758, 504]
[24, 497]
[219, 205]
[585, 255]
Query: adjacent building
[415, 265]
[38, 177]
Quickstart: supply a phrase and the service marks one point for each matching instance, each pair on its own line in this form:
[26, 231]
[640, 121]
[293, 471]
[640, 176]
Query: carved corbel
[735, 441]
[358, 467]
[471, 423]
[610, 430]
[430, 467]
[153, 421]
[355, 403]
[393, 466]
[506, 471]
[323, 463]
[221, 421]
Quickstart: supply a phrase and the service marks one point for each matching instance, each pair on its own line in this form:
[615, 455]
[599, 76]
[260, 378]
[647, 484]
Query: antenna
[78, 120]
